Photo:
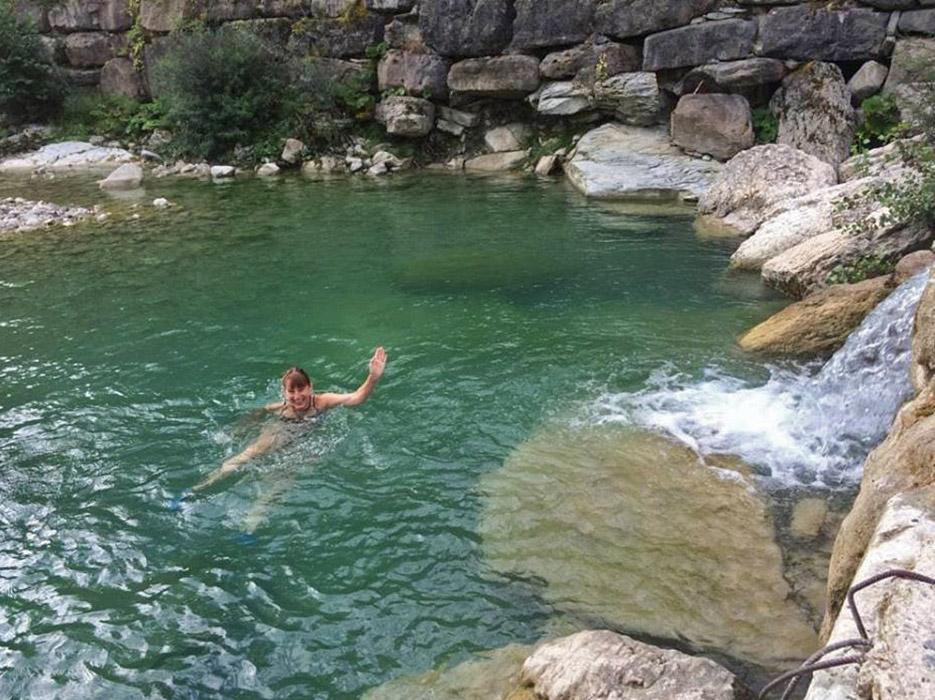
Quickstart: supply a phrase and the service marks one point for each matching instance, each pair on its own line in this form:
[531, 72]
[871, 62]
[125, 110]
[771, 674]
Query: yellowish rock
[808, 516]
[634, 533]
[820, 323]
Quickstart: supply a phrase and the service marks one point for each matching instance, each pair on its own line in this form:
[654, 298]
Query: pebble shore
[18, 214]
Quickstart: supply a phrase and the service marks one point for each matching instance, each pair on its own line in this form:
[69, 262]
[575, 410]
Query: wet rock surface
[18, 214]
[615, 522]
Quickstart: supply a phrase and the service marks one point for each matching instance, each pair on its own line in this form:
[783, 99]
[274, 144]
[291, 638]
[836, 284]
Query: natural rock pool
[131, 352]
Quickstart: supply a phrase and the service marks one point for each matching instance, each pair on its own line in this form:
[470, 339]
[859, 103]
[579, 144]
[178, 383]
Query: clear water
[132, 351]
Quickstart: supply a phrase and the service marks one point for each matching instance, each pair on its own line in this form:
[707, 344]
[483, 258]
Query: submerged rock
[633, 532]
[616, 161]
[820, 323]
[601, 664]
[491, 675]
[128, 176]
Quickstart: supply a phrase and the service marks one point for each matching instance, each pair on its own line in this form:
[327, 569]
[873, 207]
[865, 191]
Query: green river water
[131, 352]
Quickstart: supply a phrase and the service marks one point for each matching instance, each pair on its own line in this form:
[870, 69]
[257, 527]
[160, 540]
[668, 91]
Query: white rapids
[800, 426]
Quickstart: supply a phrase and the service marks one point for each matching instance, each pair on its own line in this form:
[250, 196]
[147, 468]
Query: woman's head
[297, 388]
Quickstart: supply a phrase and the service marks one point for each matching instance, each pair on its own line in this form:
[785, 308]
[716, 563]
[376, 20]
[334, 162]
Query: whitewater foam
[801, 426]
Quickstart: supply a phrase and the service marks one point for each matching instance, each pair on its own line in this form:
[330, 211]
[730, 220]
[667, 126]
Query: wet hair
[295, 376]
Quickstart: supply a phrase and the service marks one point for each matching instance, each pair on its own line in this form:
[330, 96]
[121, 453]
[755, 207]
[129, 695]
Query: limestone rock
[495, 162]
[420, 74]
[615, 58]
[354, 72]
[897, 614]
[911, 64]
[813, 107]
[128, 176]
[594, 515]
[616, 161]
[757, 179]
[791, 221]
[917, 22]
[511, 137]
[165, 15]
[221, 172]
[923, 339]
[403, 34]
[910, 265]
[543, 23]
[292, 151]
[119, 77]
[887, 162]
[267, 170]
[336, 38]
[459, 117]
[698, 44]
[326, 165]
[732, 76]
[81, 77]
[466, 27]
[633, 98]
[818, 324]
[502, 76]
[76, 16]
[91, 49]
[605, 665]
[68, 155]
[808, 518]
[564, 98]
[406, 116]
[547, 165]
[806, 33]
[719, 125]
[629, 18]
[867, 81]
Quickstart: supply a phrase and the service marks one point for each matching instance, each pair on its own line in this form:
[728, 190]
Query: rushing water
[132, 351]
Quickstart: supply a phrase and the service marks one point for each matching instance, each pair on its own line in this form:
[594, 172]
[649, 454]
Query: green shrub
[861, 269]
[30, 87]
[224, 88]
[87, 113]
[765, 125]
[881, 123]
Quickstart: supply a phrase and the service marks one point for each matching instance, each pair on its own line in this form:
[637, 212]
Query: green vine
[136, 37]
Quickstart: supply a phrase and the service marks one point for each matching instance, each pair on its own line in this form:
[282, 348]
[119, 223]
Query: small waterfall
[799, 427]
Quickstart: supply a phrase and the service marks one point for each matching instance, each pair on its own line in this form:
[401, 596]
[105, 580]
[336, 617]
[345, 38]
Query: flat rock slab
[820, 323]
[68, 155]
[616, 161]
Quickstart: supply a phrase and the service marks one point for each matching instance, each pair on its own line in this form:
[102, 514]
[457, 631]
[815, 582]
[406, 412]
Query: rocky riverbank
[18, 214]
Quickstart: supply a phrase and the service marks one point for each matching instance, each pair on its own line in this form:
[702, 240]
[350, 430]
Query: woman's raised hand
[378, 362]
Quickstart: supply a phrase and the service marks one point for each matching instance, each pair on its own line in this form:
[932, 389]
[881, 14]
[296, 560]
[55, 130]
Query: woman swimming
[299, 404]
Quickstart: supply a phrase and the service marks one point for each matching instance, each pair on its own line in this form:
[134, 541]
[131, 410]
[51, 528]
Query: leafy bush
[29, 85]
[86, 113]
[765, 125]
[861, 269]
[881, 123]
[224, 88]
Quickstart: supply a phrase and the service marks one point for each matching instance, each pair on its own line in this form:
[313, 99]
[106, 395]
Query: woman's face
[298, 396]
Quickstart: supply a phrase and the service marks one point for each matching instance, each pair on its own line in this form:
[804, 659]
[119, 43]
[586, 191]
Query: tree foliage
[30, 87]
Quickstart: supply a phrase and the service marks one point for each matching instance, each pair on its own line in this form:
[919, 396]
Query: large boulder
[77, 16]
[898, 614]
[421, 74]
[501, 76]
[406, 116]
[510, 137]
[466, 27]
[68, 155]
[120, 77]
[806, 32]
[403, 33]
[732, 76]
[128, 176]
[164, 15]
[867, 81]
[564, 98]
[335, 37]
[818, 324]
[604, 665]
[813, 107]
[633, 98]
[791, 221]
[917, 22]
[628, 18]
[608, 521]
[496, 162]
[910, 66]
[543, 23]
[616, 161]
[699, 43]
[92, 49]
[719, 125]
[757, 179]
[583, 59]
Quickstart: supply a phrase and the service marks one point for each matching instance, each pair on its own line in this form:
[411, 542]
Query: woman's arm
[355, 398]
